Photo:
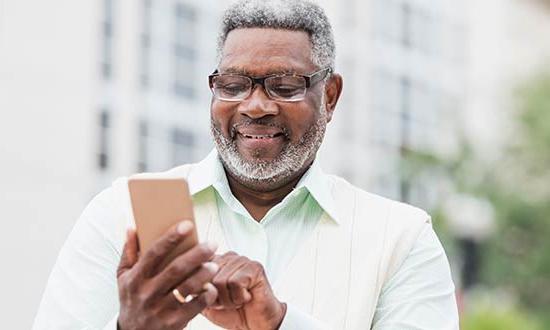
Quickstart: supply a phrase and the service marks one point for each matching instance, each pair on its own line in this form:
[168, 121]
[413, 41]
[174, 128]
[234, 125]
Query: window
[404, 23]
[104, 127]
[185, 52]
[143, 137]
[107, 40]
[406, 18]
[146, 43]
[183, 143]
[405, 112]
[385, 118]
[422, 27]
[386, 19]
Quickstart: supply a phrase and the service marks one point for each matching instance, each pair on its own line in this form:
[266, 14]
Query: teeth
[259, 136]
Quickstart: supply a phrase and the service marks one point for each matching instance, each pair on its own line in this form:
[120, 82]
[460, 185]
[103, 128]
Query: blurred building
[404, 66]
[152, 97]
[89, 91]
[507, 47]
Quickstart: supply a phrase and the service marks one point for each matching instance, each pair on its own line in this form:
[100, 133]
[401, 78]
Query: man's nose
[258, 104]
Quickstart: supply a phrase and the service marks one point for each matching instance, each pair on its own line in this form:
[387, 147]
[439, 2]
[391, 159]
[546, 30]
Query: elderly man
[296, 248]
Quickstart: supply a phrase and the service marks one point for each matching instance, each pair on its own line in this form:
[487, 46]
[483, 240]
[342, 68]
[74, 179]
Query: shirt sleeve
[296, 319]
[421, 295]
[81, 292]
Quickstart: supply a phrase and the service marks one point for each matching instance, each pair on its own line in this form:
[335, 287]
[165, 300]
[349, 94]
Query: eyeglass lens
[235, 87]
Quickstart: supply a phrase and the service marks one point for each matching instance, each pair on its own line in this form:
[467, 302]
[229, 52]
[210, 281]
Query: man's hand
[145, 291]
[245, 299]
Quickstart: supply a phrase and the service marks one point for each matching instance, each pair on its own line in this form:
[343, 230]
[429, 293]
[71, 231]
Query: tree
[516, 258]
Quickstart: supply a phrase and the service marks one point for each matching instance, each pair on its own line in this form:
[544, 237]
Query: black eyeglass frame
[310, 80]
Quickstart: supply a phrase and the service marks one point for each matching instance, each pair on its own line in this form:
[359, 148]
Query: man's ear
[333, 90]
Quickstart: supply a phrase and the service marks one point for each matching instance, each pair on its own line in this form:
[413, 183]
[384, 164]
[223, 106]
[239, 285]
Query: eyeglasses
[280, 87]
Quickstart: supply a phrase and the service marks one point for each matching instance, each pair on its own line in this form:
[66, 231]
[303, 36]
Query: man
[296, 248]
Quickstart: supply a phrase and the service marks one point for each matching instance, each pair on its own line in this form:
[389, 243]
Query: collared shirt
[273, 240]
[416, 297]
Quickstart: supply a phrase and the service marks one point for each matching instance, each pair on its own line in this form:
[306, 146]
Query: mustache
[259, 122]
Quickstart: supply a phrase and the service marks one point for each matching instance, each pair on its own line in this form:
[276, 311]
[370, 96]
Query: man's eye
[233, 88]
[286, 90]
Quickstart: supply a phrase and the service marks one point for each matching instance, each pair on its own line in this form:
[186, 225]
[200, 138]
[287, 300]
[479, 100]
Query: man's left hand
[245, 299]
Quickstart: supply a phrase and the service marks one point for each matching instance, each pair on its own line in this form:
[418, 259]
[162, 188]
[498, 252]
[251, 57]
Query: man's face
[265, 143]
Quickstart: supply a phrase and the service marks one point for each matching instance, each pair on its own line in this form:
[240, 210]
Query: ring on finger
[180, 298]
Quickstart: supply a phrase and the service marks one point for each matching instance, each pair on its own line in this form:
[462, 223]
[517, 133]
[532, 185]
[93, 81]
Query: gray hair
[296, 15]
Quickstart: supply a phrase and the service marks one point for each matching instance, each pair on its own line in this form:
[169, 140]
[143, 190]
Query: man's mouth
[259, 132]
[261, 136]
[260, 141]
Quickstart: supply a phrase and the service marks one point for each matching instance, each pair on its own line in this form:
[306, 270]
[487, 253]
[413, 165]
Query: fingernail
[208, 286]
[212, 266]
[184, 227]
[212, 246]
[210, 298]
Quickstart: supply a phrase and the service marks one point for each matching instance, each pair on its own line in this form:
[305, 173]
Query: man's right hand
[145, 291]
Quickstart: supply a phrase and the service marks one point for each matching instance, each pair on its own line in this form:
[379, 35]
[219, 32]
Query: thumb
[129, 253]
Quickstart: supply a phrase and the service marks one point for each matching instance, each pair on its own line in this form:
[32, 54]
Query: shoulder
[110, 210]
[368, 204]
[392, 227]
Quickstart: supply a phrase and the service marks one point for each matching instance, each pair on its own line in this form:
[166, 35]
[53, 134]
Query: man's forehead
[251, 71]
[254, 51]
[272, 35]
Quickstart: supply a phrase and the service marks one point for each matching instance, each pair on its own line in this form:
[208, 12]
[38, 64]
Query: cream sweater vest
[338, 273]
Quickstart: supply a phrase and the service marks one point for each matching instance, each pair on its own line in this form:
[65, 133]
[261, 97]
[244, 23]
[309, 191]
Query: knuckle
[155, 251]
[245, 260]
[163, 245]
[144, 298]
[204, 252]
[218, 282]
[233, 286]
[186, 288]
[130, 283]
[255, 264]
[234, 282]
[171, 271]
[176, 270]
[257, 268]
[170, 240]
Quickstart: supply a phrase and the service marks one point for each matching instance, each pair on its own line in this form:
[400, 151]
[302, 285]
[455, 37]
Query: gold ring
[178, 296]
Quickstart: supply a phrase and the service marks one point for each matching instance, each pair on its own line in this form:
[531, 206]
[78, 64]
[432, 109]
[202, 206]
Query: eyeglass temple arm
[317, 76]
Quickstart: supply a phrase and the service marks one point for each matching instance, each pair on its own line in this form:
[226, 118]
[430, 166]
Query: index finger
[129, 253]
[162, 247]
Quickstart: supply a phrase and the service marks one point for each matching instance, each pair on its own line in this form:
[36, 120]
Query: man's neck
[258, 203]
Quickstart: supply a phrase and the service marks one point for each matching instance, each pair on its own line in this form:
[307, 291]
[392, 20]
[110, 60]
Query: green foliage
[517, 257]
[490, 318]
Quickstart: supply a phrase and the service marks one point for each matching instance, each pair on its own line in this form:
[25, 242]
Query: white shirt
[82, 290]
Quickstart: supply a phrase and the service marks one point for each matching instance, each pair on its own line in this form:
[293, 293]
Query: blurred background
[446, 106]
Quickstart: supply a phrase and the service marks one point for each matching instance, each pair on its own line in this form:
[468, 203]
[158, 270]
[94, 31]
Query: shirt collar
[319, 186]
[205, 173]
[210, 171]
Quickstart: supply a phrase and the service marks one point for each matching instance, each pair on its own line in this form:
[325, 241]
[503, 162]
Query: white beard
[276, 172]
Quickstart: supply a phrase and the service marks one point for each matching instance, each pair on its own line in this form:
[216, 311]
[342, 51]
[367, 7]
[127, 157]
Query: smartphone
[158, 205]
